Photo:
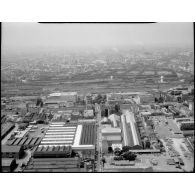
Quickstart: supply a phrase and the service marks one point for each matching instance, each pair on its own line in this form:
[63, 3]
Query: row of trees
[124, 154]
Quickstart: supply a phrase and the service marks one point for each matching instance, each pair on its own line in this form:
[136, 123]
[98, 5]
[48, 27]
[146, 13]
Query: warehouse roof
[114, 118]
[62, 94]
[6, 127]
[112, 138]
[5, 148]
[6, 162]
[131, 135]
[145, 113]
[110, 130]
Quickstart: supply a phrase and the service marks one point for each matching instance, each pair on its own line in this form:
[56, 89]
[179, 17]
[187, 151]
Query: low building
[187, 126]
[63, 97]
[52, 152]
[110, 136]
[8, 165]
[88, 113]
[54, 165]
[113, 138]
[11, 151]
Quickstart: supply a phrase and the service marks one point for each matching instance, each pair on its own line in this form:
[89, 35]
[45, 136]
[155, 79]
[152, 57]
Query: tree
[129, 156]
[126, 148]
[103, 160]
[161, 99]
[117, 151]
[110, 150]
[98, 99]
[106, 112]
[103, 113]
[117, 108]
[104, 98]
[39, 102]
[147, 144]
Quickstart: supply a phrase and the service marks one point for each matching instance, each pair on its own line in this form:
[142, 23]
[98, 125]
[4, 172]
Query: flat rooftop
[111, 130]
[62, 94]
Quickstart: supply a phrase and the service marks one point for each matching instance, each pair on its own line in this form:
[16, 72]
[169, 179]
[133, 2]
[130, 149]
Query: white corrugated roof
[111, 130]
[62, 136]
[62, 94]
[78, 135]
[112, 137]
[57, 138]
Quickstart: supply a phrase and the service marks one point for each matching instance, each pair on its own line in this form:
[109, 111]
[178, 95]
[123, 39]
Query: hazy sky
[24, 35]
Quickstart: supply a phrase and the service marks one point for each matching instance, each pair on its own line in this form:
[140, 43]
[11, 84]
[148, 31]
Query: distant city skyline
[75, 35]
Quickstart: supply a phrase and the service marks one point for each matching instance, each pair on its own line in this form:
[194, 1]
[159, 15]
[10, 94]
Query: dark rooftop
[5, 148]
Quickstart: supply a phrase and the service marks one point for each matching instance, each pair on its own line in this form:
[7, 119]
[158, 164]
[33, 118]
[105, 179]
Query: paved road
[163, 130]
[189, 162]
[99, 140]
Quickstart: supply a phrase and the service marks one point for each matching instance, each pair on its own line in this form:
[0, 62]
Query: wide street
[99, 140]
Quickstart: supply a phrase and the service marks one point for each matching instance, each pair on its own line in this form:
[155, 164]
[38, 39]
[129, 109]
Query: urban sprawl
[98, 112]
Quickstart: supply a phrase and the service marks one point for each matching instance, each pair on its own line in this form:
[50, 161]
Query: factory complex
[115, 132]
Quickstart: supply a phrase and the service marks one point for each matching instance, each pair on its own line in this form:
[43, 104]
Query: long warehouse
[131, 135]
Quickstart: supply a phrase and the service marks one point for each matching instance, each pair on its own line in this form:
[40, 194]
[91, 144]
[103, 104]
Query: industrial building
[11, 151]
[55, 100]
[59, 134]
[6, 129]
[8, 165]
[54, 165]
[80, 137]
[88, 113]
[111, 137]
[187, 128]
[131, 135]
[85, 138]
[25, 142]
[55, 150]
[122, 96]
[115, 120]
[52, 152]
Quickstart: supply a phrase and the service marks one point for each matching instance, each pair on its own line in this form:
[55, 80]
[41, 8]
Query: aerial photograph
[97, 97]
